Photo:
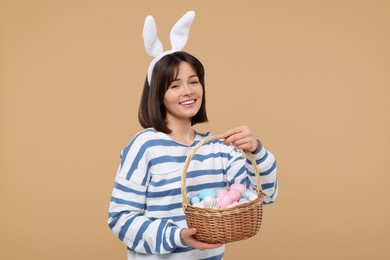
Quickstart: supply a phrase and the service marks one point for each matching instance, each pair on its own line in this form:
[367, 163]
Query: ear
[152, 43]
[180, 31]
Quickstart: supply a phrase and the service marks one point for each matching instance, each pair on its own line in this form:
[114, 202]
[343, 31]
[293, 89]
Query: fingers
[235, 138]
[234, 135]
[187, 235]
[243, 143]
[192, 231]
[231, 132]
[209, 246]
[241, 137]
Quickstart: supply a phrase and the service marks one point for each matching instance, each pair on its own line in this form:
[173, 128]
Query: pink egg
[234, 195]
[222, 193]
[235, 203]
[238, 187]
[224, 201]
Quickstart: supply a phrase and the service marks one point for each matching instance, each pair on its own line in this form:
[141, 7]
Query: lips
[188, 102]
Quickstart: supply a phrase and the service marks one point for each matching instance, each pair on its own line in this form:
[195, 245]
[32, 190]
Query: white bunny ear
[178, 37]
[152, 43]
[180, 31]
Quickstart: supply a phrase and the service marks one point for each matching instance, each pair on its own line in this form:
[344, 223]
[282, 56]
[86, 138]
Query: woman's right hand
[189, 240]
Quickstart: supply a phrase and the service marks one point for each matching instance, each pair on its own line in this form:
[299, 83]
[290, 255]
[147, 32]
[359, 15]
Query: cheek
[200, 91]
[169, 98]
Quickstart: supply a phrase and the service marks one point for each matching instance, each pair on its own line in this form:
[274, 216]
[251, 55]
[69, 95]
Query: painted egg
[235, 203]
[194, 199]
[209, 202]
[253, 197]
[249, 194]
[206, 193]
[190, 196]
[234, 195]
[199, 204]
[225, 201]
[222, 193]
[238, 187]
[243, 200]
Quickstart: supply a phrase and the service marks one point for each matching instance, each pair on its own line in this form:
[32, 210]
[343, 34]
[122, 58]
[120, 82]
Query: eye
[194, 82]
[173, 86]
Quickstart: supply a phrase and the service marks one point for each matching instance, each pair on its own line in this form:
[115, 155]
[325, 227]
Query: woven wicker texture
[223, 225]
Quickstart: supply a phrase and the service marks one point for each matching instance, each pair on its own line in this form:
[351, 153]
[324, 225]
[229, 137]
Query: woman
[146, 204]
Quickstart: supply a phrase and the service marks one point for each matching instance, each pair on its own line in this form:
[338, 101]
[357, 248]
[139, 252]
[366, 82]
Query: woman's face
[183, 98]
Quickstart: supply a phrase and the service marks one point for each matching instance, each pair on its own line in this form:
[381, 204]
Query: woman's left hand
[242, 138]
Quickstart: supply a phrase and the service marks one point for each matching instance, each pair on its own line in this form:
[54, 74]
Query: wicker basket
[223, 225]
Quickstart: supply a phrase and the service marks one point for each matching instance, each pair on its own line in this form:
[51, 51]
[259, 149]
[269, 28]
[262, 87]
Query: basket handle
[192, 153]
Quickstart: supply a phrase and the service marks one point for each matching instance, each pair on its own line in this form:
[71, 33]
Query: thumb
[192, 231]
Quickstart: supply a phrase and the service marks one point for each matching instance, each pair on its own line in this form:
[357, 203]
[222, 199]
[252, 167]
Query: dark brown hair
[152, 112]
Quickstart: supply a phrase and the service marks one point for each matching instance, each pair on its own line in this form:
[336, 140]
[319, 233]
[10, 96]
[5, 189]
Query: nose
[187, 90]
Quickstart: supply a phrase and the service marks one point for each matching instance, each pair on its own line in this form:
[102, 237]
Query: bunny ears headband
[178, 36]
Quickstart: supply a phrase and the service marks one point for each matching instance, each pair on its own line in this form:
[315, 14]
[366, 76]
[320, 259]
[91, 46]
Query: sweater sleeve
[128, 203]
[241, 170]
[266, 164]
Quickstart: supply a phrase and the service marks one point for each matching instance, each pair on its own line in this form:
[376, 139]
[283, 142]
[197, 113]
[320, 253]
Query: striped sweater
[145, 210]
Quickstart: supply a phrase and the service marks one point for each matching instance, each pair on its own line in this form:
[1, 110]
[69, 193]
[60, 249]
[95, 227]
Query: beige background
[311, 79]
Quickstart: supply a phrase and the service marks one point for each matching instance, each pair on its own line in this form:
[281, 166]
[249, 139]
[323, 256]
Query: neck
[182, 131]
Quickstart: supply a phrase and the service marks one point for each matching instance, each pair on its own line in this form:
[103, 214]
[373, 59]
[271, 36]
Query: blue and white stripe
[146, 204]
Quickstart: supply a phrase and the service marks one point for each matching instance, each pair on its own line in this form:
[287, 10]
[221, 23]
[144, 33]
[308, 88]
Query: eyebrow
[190, 77]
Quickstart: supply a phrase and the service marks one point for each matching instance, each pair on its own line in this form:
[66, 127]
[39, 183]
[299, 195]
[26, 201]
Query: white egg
[249, 194]
[199, 204]
[209, 202]
[252, 197]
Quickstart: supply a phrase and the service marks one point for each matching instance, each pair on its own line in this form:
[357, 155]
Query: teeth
[187, 102]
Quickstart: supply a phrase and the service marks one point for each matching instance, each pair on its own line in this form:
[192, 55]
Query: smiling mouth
[188, 102]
